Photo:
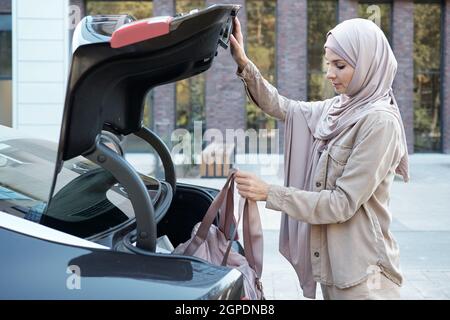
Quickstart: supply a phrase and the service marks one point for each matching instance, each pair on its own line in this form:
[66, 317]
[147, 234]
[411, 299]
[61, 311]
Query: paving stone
[436, 276]
[267, 282]
[414, 275]
[285, 287]
[430, 290]
[410, 292]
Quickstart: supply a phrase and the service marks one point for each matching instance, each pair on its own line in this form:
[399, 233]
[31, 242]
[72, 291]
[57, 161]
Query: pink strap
[208, 219]
[141, 30]
[228, 221]
[236, 225]
[253, 237]
[252, 228]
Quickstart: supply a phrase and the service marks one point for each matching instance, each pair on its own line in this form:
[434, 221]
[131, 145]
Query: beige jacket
[348, 209]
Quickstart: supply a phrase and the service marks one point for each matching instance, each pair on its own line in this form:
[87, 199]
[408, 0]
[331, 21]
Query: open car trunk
[95, 193]
[116, 61]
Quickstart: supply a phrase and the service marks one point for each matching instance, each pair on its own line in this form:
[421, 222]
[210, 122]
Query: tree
[190, 93]
[427, 54]
[322, 17]
[261, 19]
[138, 9]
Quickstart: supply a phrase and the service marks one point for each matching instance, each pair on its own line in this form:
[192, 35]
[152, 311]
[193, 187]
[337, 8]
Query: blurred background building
[284, 38]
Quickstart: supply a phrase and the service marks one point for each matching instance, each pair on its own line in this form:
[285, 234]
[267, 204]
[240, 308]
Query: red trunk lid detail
[140, 30]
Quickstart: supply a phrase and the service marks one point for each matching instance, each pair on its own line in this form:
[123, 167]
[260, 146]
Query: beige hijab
[308, 129]
[364, 46]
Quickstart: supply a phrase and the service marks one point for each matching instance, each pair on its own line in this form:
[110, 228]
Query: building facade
[284, 38]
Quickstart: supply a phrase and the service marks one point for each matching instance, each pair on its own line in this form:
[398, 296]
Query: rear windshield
[86, 201]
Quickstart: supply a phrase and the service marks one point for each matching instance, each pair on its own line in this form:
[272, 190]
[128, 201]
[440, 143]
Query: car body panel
[33, 268]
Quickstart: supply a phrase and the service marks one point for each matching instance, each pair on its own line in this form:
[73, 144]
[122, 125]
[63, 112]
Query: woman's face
[339, 72]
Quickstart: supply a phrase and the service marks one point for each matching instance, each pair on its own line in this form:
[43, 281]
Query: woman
[341, 156]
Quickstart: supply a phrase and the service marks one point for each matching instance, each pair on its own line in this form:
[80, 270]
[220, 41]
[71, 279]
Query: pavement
[421, 226]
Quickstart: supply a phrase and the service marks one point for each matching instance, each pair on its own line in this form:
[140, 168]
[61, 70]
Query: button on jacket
[348, 209]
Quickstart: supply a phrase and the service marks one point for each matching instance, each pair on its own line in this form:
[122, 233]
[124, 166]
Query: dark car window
[86, 201]
[26, 170]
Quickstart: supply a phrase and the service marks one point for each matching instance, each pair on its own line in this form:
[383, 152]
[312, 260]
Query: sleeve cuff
[275, 197]
[249, 72]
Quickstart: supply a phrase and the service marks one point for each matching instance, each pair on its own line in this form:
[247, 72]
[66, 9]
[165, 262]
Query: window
[86, 199]
[378, 12]
[190, 93]
[261, 19]
[5, 47]
[27, 166]
[322, 17]
[5, 70]
[427, 76]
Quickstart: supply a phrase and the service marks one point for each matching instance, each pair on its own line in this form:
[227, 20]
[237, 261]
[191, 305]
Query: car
[77, 220]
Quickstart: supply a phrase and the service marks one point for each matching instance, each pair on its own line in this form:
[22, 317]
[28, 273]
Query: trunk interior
[189, 205]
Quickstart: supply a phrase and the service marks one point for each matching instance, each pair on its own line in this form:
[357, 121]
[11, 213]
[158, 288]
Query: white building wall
[40, 65]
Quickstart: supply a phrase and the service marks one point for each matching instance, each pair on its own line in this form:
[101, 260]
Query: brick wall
[5, 6]
[225, 95]
[164, 96]
[403, 45]
[292, 52]
[446, 80]
[348, 9]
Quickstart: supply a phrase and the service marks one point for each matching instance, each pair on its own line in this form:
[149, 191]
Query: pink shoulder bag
[213, 243]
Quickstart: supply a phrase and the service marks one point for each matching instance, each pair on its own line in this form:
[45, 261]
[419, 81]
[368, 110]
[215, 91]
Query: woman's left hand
[250, 186]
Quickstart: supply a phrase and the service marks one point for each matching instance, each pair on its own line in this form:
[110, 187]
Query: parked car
[77, 221]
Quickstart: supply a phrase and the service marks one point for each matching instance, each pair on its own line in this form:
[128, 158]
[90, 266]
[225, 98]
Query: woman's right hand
[237, 45]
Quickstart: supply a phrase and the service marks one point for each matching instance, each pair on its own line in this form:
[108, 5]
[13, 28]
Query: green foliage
[190, 101]
[190, 93]
[261, 25]
[427, 55]
[322, 17]
[385, 15]
[138, 9]
[148, 110]
[427, 36]
[184, 6]
[319, 87]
